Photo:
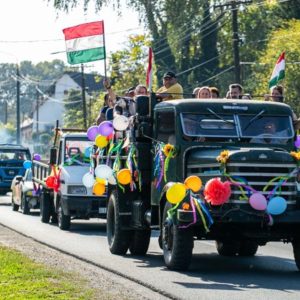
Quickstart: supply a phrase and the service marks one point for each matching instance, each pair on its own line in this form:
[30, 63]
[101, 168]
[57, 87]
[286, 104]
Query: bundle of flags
[85, 42]
[278, 72]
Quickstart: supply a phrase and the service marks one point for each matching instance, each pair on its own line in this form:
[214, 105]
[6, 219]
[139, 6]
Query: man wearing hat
[171, 89]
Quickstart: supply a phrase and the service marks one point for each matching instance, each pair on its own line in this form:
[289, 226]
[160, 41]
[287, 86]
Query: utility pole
[235, 35]
[83, 98]
[37, 111]
[18, 107]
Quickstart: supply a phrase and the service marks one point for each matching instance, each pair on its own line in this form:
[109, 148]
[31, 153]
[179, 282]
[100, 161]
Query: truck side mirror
[53, 155]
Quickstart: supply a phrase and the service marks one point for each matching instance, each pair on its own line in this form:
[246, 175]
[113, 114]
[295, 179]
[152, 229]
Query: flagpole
[105, 75]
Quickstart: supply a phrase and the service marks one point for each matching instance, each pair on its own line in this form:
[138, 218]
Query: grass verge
[21, 278]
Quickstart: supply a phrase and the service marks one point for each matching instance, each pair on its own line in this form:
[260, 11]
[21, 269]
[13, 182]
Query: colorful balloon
[101, 180]
[120, 123]
[258, 201]
[101, 141]
[124, 176]
[112, 180]
[194, 183]
[37, 156]
[176, 193]
[103, 171]
[50, 182]
[27, 164]
[297, 142]
[106, 128]
[98, 189]
[87, 152]
[92, 132]
[88, 180]
[276, 206]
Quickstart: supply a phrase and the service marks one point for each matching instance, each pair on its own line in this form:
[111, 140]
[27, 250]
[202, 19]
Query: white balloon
[120, 123]
[103, 171]
[88, 180]
[112, 180]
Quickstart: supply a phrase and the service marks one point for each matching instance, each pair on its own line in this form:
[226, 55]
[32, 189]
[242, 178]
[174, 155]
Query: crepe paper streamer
[158, 165]
[206, 211]
[170, 155]
[194, 214]
[245, 183]
[172, 211]
[271, 220]
[201, 214]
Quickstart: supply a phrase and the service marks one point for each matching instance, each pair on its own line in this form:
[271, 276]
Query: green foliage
[285, 39]
[23, 279]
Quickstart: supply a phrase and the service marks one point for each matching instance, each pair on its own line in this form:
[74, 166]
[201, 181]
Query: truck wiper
[221, 118]
[256, 117]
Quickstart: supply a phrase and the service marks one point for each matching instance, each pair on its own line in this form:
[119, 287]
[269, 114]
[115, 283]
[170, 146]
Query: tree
[284, 39]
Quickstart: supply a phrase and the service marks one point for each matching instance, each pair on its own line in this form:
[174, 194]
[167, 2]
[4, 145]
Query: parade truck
[12, 157]
[221, 170]
[63, 197]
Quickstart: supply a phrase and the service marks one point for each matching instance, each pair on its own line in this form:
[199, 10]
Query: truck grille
[257, 175]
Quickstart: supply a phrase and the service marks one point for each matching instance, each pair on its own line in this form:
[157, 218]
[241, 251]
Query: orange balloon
[194, 183]
[98, 188]
[124, 176]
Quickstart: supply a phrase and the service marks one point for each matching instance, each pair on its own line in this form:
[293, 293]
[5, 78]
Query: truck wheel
[296, 248]
[118, 239]
[227, 248]
[64, 221]
[140, 242]
[177, 243]
[248, 248]
[25, 205]
[15, 207]
[45, 207]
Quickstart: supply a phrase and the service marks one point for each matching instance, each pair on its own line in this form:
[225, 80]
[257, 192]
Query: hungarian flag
[85, 42]
[279, 71]
[149, 70]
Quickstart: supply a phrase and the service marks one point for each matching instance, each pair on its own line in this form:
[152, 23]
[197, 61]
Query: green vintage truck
[247, 145]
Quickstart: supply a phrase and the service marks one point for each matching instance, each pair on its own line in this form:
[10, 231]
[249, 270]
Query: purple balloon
[297, 142]
[92, 132]
[258, 201]
[106, 128]
[37, 156]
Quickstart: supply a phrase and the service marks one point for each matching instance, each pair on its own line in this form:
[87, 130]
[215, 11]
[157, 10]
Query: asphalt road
[271, 274]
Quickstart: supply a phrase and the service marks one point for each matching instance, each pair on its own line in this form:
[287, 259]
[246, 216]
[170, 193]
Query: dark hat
[170, 74]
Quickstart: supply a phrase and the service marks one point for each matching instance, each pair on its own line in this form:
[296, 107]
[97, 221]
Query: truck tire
[248, 248]
[177, 243]
[25, 205]
[140, 242]
[45, 207]
[64, 221]
[15, 207]
[118, 239]
[226, 248]
[296, 249]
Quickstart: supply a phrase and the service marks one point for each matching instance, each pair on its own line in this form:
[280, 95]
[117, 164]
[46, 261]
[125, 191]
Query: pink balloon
[258, 201]
[297, 142]
[106, 128]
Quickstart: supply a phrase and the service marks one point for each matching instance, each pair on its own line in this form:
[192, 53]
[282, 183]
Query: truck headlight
[77, 189]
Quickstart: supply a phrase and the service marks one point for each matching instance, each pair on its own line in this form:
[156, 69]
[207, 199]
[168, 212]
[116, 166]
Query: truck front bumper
[84, 207]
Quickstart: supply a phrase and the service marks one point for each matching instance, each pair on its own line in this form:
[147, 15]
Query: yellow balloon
[101, 180]
[98, 189]
[176, 193]
[101, 141]
[194, 183]
[124, 176]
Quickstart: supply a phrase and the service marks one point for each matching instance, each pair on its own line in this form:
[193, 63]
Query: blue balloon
[276, 206]
[27, 164]
[88, 151]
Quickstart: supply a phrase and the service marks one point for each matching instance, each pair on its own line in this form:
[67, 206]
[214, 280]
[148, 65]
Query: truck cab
[245, 144]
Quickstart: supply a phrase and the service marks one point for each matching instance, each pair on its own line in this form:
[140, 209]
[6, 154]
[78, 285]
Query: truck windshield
[77, 151]
[267, 129]
[208, 125]
[10, 154]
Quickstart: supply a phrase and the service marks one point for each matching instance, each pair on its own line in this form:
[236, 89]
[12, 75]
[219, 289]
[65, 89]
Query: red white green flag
[279, 71]
[149, 70]
[85, 42]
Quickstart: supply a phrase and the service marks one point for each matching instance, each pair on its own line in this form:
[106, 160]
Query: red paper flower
[217, 192]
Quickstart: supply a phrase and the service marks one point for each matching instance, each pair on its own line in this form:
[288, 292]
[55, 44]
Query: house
[52, 108]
